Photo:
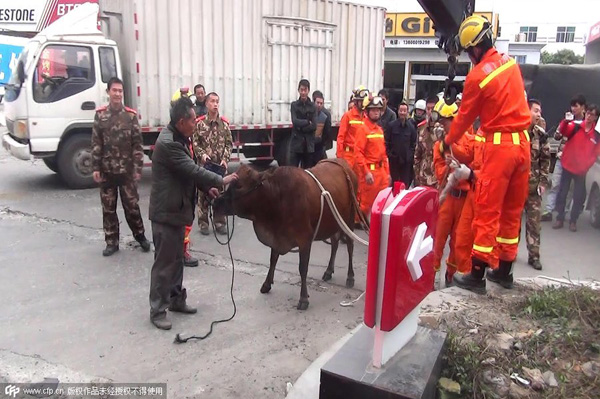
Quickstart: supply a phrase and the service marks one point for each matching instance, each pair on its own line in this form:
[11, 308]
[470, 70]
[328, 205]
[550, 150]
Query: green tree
[564, 57]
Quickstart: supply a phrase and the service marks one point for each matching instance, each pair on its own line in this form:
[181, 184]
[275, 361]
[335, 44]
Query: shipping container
[251, 52]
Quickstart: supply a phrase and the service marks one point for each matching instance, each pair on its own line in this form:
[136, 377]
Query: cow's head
[243, 196]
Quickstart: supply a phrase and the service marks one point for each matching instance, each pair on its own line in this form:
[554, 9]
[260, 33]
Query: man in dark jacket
[400, 142]
[323, 134]
[200, 104]
[304, 121]
[175, 177]
[387, 115]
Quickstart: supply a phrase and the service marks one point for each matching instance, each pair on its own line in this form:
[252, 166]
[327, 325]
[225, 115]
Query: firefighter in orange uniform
[495, 92]
[371, 158]
[450, 209]
[349, 125]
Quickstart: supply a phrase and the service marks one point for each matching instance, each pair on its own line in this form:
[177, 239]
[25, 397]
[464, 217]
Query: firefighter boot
[449, 277]
[502, 275]
[473, 281]
[188, 260]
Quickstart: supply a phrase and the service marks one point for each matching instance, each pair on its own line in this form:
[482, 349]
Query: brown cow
[284, 204]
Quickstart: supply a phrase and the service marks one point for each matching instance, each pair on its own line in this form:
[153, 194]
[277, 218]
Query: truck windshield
[13, 87]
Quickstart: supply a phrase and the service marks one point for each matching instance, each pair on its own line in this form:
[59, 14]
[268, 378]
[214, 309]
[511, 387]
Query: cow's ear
[268, 173]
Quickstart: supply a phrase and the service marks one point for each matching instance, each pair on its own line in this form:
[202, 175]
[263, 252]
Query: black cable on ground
[178, 338]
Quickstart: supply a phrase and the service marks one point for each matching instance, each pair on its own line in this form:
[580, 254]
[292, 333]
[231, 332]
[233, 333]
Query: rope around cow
[336, 213]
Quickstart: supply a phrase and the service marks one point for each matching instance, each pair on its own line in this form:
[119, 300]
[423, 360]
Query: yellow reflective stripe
[496, 72]
[485, 250]
[372, 166]
[503, 240]
[515, 137]
[480, 139]
[527, 135]
[497, 137]
[375, 136]
[357, 123]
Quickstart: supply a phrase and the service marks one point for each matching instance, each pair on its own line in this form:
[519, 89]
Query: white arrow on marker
[419, 248]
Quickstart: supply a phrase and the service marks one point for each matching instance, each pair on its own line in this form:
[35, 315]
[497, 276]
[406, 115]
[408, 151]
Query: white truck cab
[50, 101]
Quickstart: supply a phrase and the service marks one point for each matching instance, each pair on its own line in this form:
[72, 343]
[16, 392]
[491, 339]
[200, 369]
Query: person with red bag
[580, 152]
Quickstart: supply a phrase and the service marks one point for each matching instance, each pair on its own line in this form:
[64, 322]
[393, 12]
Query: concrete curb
[307, 386]
[450, 299]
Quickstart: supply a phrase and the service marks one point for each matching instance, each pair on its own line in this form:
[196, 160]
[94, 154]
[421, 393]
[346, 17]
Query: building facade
[415, 67]
[527, 39]
[592, 46]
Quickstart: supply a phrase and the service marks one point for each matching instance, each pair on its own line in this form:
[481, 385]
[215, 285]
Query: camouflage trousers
[533, 226]
[109, 190]
[203, 212]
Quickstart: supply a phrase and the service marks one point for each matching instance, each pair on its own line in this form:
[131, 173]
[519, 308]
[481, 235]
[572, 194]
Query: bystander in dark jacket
[175, 177]
[304, 122]
[400, 141]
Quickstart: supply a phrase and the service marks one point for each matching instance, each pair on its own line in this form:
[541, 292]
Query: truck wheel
[51, 163]
[595, 207]
[75, 162]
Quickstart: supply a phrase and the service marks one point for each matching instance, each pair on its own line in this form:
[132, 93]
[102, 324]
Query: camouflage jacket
[424, 170]
[213, 138]
[117, 142]
[540, 157]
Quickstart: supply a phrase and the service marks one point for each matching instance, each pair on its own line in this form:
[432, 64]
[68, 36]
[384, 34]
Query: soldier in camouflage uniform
[117, 158]
[538, 182]
[212, 143]
[423, 162]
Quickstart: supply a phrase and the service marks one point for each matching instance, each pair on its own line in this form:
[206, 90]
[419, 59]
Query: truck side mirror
[21, 72]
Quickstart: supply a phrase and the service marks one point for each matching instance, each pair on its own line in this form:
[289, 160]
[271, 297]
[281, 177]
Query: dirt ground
[524, 343]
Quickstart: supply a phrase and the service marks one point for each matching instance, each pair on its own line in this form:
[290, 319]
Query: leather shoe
[221, 229]
[559, 224]
[204, 229]
[573, 227]
[535, 263]
[546, 217]
[182, 308]
[144, 243]
[161, 321]
[109, 250]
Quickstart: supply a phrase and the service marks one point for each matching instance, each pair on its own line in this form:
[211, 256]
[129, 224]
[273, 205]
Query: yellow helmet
[473, 30]
[444, 110]
[185, 91]
[372, 102]
[360, 93]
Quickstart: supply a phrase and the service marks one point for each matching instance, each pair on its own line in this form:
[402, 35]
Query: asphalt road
[72, 314]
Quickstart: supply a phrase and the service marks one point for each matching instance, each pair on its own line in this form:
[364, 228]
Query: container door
[296, 49]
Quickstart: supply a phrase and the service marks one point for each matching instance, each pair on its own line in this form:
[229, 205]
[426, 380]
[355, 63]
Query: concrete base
[411, 374]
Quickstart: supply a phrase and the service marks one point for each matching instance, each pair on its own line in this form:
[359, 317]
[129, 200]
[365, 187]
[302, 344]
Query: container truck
[251, 52]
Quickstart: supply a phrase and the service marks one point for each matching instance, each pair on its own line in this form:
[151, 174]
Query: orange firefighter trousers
[463, 244]
[448, 218]
[500, 193]
[368, 192]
